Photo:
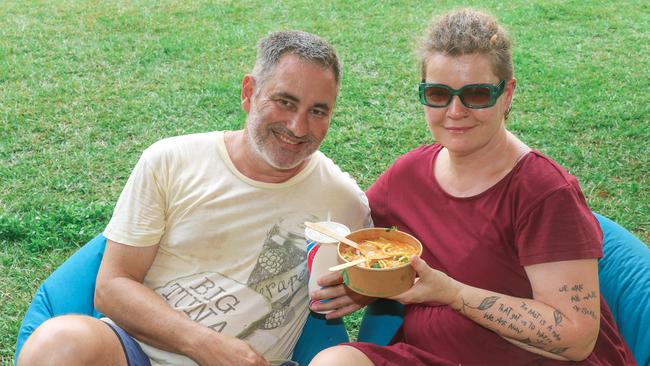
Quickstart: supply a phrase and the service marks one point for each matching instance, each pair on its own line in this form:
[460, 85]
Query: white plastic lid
[313, 235]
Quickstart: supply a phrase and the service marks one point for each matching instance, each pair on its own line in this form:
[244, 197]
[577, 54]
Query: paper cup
[321, 253]
[379, 282]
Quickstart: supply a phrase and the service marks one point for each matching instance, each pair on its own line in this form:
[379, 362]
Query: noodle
[380, 253]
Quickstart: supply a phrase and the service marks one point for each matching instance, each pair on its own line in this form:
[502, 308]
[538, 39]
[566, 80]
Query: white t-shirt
[231, 249]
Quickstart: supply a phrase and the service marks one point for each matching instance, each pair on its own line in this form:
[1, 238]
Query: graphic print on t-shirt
[281, 268]
[255, 309]
[216, 301]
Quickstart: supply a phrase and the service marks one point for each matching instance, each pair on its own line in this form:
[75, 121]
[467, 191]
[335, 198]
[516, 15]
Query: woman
[509, 275]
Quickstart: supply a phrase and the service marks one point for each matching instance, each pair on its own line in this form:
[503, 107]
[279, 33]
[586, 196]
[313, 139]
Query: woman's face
[460, 129]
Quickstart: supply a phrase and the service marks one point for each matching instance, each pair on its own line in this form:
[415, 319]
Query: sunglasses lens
[476, 96]
[437, 96]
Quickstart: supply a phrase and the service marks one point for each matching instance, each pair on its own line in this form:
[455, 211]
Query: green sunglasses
[475, 96]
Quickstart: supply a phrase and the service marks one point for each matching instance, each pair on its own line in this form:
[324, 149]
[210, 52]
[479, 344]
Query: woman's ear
[247, 90]
[511, 85]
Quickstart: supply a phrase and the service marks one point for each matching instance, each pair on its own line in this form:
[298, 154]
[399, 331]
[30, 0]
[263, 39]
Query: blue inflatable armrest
[624, 274]
[69, 289]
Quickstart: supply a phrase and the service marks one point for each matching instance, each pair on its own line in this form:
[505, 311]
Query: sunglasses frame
[495, 93]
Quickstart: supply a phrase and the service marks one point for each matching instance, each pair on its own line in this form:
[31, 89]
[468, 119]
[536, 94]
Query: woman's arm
[561, 321]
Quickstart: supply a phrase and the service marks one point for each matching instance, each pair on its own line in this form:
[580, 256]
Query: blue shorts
[134, 354]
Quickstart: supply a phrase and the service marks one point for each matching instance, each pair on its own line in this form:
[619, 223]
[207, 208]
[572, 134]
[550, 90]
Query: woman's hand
[430, 286]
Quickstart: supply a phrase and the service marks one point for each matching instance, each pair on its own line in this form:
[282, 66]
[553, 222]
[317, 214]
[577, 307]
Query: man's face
[289, 116]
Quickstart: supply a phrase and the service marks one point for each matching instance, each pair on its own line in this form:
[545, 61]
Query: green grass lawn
[85, 86]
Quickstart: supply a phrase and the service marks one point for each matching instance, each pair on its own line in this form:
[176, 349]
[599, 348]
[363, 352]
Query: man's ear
[247, 90]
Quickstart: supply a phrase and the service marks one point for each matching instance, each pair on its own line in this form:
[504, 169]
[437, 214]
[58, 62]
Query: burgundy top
[535, 214]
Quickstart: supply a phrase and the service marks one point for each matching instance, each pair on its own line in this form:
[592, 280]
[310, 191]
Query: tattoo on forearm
[585, 311]
[558, 317]
[488, 302]
[518, 320]
[558, 350]
[581, 299]
[542, 333]
[484, 305]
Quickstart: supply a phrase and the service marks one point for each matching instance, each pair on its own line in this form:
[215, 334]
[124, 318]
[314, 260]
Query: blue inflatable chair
[624, 282]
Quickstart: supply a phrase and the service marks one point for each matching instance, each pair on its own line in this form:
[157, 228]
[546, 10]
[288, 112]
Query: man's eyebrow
[323, 106]
[285, 95]
[293, 98]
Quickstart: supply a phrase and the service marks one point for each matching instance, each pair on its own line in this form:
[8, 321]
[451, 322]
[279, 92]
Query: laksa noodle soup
[385, 256]
[381, 253]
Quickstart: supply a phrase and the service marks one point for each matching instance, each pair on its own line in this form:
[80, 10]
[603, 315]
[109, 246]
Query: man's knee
[67, 340]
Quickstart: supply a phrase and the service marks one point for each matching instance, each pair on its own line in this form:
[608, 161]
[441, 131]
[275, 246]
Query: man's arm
[561, 321]
[120, 295]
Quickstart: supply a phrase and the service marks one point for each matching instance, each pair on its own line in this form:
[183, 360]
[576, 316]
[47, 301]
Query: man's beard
[257, 139]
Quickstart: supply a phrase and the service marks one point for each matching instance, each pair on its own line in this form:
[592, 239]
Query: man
[205, 257]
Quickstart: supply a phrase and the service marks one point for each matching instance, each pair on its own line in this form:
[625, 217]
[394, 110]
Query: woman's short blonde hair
[468, 31]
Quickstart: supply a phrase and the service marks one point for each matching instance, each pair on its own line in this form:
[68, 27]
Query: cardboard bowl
[379, 282]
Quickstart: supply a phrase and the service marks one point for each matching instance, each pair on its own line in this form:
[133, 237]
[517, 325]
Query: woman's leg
[341, 355]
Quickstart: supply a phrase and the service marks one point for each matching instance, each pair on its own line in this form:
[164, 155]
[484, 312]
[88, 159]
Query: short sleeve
[560, 227]
[139, 215]
[378, 195]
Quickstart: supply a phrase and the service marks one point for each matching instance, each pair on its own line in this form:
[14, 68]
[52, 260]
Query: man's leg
[73, 340]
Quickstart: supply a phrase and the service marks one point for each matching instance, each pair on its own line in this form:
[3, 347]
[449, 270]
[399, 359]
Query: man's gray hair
[307, 46]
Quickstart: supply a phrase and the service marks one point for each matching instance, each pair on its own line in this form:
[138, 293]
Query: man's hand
[214, 349]
[343, 300]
